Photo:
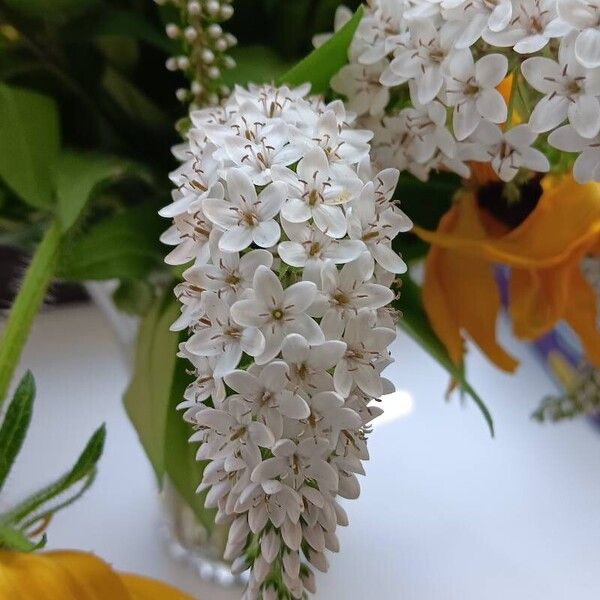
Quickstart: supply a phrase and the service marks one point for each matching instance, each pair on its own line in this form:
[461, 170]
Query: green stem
[26, 305]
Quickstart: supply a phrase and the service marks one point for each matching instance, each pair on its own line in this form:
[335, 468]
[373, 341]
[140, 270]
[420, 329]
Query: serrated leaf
[124, 246]
[15, 424]
[324, 62]
[29, 144]
[13, 539]
[76, 177]
[415, 323]
[83, 468]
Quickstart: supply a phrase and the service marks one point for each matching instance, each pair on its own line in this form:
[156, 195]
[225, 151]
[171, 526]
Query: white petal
[307, 328]
[567, 139]
[388, 259]
[299, 296]
[240, 187]
[491, 69]
[248, 313]
[267, 287]
[330, 220]
[271, 199]
[292, 253]
[228, 360]
[535, 160]
[465, 119]
[236, 239]
[253, 341]
[295, 210]
[293, 406]
[587, 166]
[548, 113]
[542, 73]
[266, 234]
[530, 44]
[491, 106]
[587, 48]
[584, 115]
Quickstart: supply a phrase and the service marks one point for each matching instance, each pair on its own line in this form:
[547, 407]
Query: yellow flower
[73, 576]
[546, 283]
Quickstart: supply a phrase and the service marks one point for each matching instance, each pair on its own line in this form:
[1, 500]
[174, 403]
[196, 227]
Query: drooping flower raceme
[287, 233]
[422, 76]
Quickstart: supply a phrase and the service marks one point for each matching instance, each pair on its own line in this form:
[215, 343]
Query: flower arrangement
[266, 327]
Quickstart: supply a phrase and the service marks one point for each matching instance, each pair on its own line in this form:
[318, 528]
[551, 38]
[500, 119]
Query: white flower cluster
[205, 45]
[414, 61]
[287, 300]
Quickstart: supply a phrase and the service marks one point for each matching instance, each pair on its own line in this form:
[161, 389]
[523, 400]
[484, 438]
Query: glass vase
[192, 538]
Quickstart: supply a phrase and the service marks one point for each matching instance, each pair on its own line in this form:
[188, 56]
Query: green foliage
[77, 176]
[156, 388]
[29, 144]
[254, 64]
[582, 398]
[123, 246]
[133, 296]
[15, 424]
[51, 9]
[324, 62]
[415, 323]
[425, 203]
[15, 524]
[82, 471]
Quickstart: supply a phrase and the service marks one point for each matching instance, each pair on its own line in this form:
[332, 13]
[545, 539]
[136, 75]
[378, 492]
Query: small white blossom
[508, 152]
[583, 16]
[570, 91]
[587, 164]
[471, 90]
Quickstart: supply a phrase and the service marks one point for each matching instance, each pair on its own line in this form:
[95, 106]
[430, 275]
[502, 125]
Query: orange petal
[460, 293]
[565, 221]
[143, 588]
[58, 576]
[538, 299]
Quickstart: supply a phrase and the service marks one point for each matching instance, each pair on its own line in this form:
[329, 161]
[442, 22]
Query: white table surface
[446, 513]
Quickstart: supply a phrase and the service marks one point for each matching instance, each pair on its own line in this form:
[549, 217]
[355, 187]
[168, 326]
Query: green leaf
[51, 9]
[414, 321]
[13, 539]
[29, 144]
[254, 64]
[324, 62]
[77, 175]
[124, 246]
[425, 203]
[155, 390]
[15, 424]
[81, 470]
[134, 296]
[126, 23]
[147, 399]
[134, 103]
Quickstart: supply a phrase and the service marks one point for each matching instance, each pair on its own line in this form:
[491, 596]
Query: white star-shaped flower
[509, 151]
[312, 193]
[570, 91]
[584, 16]
[471, 90]
[344, 292]
[277, 312]
[244, 216]
[309, 248]
[264, 391]
[532, 25]
[223, 337]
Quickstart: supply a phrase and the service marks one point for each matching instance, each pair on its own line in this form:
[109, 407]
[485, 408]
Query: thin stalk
[26, 305]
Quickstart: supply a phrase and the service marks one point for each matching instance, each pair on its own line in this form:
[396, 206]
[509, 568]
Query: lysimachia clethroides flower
[286, 230]
[423, 76]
